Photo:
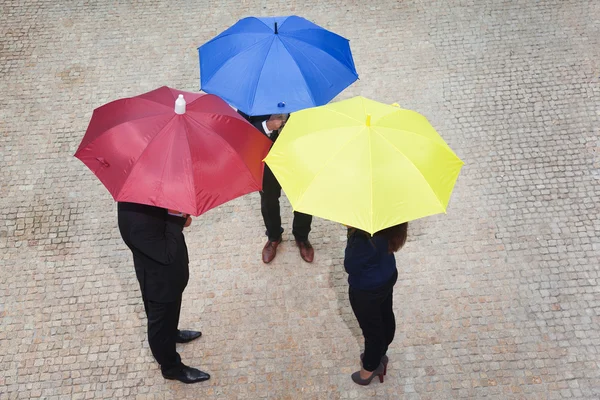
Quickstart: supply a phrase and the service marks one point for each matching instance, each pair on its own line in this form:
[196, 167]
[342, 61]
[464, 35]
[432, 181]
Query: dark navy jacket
[367, 261]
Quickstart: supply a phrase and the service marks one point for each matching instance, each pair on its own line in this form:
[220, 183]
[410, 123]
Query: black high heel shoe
[384, 361]
[364, 382]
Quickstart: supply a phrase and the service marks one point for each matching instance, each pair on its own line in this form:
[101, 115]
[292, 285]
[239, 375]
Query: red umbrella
[155, 149]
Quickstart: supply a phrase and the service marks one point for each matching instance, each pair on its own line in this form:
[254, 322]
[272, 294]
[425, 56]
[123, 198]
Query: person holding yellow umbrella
[372, 167]
[372, 274]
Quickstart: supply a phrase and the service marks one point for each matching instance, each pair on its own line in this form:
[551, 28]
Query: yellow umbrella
[364, 164]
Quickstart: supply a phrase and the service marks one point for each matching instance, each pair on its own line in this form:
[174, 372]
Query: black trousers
[163, 319]
[269, 206]
[375, 315]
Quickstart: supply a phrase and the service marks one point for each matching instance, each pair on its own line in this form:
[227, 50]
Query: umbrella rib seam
[260, 74]
[229, 59]
[230, 148]
[221, 35]
[443, 144]
[371, 164]
[414, 166]
[318, 69]
[189, 149]
[113, 127]
[329, 54]
[146, 99]
[312, 97]
[162, 173]
[326, 164]
[135, 164]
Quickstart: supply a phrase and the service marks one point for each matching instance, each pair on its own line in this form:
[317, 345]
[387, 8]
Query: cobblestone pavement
[498, 299]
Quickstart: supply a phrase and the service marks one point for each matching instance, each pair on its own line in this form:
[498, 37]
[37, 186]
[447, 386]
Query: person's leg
[269, 205]
[300, 231]
[387, 311]
[185, 336]
[162, 331]
[177, 314]
[366, 308]
[389, 320]
[301, 226]
[145, 301]
[162, 335]
[140, 275]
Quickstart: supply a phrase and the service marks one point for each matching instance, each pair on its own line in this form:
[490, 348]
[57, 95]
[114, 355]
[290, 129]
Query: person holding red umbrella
[155, 237]
[161, 151]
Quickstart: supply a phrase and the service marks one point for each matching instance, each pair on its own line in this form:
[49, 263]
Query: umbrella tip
[180, 105]
[368, 119]
[276, 32]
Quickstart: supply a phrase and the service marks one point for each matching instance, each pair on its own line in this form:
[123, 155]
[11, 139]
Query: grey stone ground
[498, 299]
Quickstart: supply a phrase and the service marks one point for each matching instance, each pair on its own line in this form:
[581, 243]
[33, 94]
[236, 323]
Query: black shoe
[186, 374]
[187, 336]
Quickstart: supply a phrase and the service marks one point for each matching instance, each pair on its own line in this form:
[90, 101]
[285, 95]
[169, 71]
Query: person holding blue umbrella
[268, 68]
[271, 125]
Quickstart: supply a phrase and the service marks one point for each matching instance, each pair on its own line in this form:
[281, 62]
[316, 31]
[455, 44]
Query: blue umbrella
[276, 65]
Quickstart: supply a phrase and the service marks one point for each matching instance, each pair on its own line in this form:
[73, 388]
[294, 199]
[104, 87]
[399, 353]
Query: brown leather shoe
[269, 251]
[306, 250]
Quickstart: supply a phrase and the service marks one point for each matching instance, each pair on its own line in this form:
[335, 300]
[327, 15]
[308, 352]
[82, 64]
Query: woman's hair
[395, 235]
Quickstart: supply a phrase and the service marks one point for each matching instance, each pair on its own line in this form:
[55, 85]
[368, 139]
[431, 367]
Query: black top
[160, 255]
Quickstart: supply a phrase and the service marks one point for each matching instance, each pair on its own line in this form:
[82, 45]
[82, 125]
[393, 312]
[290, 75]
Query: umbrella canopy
[276, 65]
[184, 151]
[364, 164]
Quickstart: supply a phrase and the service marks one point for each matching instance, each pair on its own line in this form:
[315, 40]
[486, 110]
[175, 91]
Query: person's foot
[384, 360]
[364, 374]
[270, 250]
[306, 250]
[186, 374]
[187, 336]
[364, 377]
